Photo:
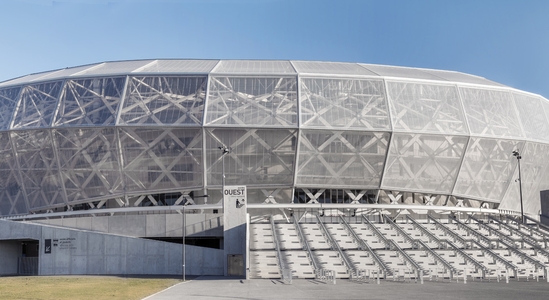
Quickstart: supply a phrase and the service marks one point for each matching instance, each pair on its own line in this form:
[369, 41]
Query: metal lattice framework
[146, 133]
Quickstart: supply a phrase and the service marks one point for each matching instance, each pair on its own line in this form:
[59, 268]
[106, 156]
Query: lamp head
[224, 149]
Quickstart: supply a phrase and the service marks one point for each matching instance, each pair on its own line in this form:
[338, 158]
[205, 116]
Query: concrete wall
[150, 225]
[10, 251]
[234, 230]
[82, 252]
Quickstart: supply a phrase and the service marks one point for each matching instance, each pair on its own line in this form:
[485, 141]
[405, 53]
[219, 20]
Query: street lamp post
[519, 157]
[184, 254]
[224, 151]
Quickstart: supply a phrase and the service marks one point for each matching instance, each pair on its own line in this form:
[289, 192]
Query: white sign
[235, 195]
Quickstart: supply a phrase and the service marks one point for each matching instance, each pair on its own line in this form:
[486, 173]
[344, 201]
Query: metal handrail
[415, 265]
[281, 265]
[545, 236]
[512, 230]
[363, 245]
[335, 246]
[305, 244]
[437, 257]
[448, 231]
[538, 224]
[524, 256]
[512, 248]
[468, 258]
[491, 231]
[496, 257]
[405, 255]
[525, 239]
[380, 235]
[425, 231]
[400, 230]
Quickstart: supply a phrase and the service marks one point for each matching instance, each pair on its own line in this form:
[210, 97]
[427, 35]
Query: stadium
[338, 170]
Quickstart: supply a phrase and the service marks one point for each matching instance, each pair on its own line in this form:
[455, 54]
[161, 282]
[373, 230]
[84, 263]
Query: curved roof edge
[246, 67]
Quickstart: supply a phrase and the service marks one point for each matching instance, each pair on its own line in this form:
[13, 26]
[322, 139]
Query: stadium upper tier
[295, 129]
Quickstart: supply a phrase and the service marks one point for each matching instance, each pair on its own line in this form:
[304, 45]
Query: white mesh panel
[426, 108]
[491, 113]
[487, 168]
[343, 103]
[427, 163]
[254, 67]
[243, 102]
[341, 159]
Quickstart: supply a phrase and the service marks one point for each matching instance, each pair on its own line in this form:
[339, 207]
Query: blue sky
[505, 41]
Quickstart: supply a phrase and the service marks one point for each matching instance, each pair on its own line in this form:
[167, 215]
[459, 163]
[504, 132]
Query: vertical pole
[184, 233]
[519, 157]
[222, 173]
[520, 189]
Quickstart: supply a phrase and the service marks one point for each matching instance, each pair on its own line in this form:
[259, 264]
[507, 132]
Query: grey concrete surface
[161, 225]
[76, 251]
[215, 288]
[9, 251]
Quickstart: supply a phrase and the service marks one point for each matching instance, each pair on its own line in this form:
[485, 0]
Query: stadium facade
[144, 137]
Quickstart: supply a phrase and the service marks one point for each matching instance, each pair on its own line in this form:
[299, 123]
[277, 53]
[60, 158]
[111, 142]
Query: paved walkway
[216, 288]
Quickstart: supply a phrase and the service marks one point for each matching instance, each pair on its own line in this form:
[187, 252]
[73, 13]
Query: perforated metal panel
[391, 71]
[421, 162]
[532, 116]
[8, 100]
[88, 162]
[266, 102]
[341, 158]
[257, 156]
[178, 66]
[333, 68]
[419, 107]
[491, 112]
[343, 103]
[86, 102]
[110, 68]
[461, 77]
[11, 190]
[254, 67]
[161, 159]
[37, 105]
[487, 168]
[164, 100]
[38, 168]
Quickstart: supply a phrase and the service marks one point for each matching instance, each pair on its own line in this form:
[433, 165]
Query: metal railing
[415, 266]
[497, 258]
[438, 258]
[305, 245]
[379, 234]
[494, 255]
[537, 265]
[467, 258]
[544, 239]
[448, 231]
[363, 245]
[538, 224]
[400, 231]
[511, 247]
[285, 271]
[335, 246]
[27, 266]
[392, 245]
[425, 231]
[325, 275]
